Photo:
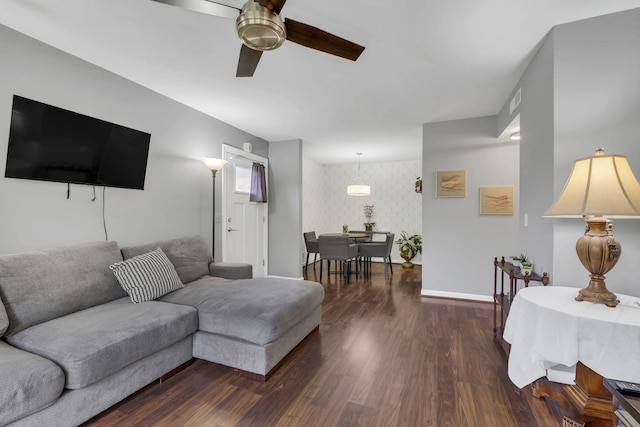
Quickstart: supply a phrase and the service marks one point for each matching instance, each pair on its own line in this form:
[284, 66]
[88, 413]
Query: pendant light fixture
[358, 189]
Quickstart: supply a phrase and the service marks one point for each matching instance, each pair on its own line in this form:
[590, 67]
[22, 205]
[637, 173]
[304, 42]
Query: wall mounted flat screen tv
[48, 143]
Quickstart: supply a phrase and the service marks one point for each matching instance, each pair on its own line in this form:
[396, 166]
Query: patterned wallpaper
[397, 207]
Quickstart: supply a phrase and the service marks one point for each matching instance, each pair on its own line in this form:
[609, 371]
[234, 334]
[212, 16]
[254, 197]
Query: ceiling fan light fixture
[259, 28]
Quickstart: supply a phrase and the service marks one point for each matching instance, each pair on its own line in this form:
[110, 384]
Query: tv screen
[48, 143]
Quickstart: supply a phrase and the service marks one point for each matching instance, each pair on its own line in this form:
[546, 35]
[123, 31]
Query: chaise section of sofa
[251, 323]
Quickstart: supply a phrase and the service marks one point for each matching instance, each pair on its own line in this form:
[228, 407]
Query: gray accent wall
[176, 200]
[285, 208]
[579, 92]
[596, 104]
[536, 156]
[459, 244]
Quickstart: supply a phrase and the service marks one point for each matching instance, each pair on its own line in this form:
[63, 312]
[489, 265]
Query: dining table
[355, 237]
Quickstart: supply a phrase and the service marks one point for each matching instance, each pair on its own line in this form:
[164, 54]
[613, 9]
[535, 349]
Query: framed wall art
[496, 200]
[451, 183]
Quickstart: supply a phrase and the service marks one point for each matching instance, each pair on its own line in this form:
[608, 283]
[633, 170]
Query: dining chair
[366, 251]
[311, 243]
[338, 248]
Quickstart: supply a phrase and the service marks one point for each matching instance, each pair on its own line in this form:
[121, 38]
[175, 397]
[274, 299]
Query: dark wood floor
[383, 356]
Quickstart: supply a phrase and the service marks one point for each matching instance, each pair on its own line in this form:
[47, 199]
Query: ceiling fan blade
[318, 39]
[274, 6]
[248, 61]
[205, 6]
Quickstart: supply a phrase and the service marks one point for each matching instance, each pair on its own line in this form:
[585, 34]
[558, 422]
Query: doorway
[244, 223]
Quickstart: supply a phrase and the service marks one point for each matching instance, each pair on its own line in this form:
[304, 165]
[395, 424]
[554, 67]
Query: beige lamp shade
[602, 185]
[213, 164]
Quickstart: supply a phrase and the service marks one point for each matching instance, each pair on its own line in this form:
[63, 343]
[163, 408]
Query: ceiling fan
[260, 27]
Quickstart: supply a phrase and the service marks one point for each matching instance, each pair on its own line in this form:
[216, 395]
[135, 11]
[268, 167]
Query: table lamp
[599, 187]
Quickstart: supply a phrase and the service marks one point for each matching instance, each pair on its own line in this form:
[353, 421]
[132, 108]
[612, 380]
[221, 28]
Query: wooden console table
[548, 327]
[502, 300]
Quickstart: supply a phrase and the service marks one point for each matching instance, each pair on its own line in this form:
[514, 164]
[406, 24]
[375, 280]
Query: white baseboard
[455, 295]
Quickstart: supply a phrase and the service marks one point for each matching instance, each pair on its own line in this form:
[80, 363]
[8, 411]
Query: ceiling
[425, 61]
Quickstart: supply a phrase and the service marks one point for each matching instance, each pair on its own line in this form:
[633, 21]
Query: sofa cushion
[148, 276]
[256, 310]
[29, 383]
[42, 285]
[92, 344]
[4, 320]
[189, 255]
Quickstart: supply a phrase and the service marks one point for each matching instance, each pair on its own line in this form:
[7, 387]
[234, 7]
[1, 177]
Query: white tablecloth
[546, 327]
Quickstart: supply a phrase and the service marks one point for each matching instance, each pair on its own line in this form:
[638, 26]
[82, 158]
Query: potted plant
[523, 262]
[517, 260]
[409, 247]
[368, 213]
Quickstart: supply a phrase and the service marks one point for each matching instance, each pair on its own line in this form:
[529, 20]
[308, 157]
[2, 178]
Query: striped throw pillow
[148, 276]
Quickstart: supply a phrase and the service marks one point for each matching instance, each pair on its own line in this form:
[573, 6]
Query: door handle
[231, 229]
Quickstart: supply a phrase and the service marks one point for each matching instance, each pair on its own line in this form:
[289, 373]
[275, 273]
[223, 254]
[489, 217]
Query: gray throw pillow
[148, 276]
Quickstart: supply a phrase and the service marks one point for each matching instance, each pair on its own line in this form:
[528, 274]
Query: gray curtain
[258, 184]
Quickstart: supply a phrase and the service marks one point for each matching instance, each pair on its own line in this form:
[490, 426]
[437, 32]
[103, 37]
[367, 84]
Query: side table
[548, 327]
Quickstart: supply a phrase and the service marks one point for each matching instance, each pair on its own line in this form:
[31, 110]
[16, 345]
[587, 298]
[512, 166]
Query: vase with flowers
[368, 213]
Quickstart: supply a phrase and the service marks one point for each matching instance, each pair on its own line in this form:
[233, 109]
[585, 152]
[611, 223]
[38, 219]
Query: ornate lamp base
[598, 296]
[598, 251]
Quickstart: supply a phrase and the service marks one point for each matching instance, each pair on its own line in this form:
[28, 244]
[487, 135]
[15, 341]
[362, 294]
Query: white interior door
[244, 223]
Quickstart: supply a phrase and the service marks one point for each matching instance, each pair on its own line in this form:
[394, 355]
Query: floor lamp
[214, 165]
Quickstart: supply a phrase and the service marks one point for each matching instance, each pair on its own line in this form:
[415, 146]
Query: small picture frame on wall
[496, 200]
[451, 183]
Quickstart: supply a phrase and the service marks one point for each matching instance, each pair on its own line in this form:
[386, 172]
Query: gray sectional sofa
[73, 342]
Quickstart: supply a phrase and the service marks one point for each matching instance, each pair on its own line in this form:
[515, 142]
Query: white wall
[313, 212]
[597, 104]
[176, 200]
[397, 207]
[459, 243]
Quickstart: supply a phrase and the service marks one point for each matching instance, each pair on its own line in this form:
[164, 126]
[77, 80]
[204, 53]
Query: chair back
[337, 247]
[390, 237]
[311, 242]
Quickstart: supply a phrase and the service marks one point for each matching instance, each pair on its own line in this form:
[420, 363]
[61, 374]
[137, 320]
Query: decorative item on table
[345, 229]
[419, 185]
[517, 260]
[368, 213]
[598, 186]
[409, 247]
